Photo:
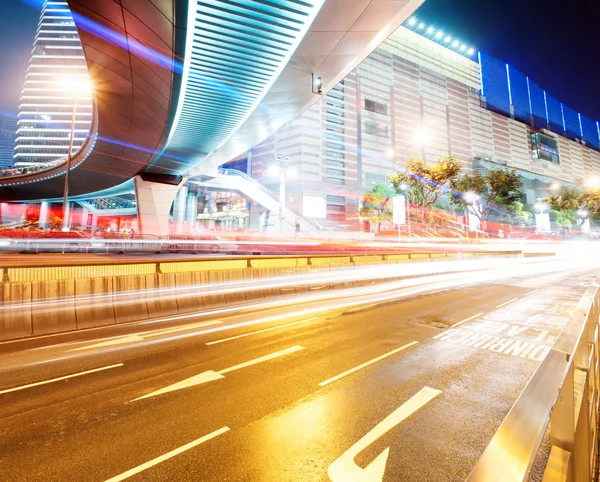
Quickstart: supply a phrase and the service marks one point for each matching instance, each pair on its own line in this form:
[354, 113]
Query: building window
[335, 163]
[336, 217]
[337, 129]
[335, 199]
[335, 172]
[371, 179]
[333, 180]
[545, 147]
[336, 208]
[335, 146]
[337, 155]
[374, 128]
[377, 107]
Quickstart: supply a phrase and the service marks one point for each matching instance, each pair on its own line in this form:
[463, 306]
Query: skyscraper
[46, 109]
[8, 127]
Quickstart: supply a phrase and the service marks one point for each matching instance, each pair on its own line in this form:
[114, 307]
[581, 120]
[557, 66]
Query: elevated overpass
[181, 87]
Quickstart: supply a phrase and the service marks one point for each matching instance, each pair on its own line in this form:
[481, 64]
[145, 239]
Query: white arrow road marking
[168, 455]
[366, 364]
[133, 338]
[66, 377]
[344, 469]
[211, 375]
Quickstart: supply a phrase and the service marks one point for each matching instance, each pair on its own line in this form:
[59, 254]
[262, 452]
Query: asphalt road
[403, 385]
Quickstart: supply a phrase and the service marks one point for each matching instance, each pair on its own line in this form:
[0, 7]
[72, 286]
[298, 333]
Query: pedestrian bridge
[188, 85]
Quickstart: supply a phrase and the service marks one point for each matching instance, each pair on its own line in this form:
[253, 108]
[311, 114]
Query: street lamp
[279, 169]
[593, 182]
[404, 188]
[75, 88]
[471, 199]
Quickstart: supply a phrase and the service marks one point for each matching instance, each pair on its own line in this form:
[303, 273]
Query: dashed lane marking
[466, 319]
[223, 340]
[168, 455]
[66, 377]
[366, 364]
[506, 303]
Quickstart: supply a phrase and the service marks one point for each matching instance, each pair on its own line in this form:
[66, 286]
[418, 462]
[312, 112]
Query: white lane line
[223, 340]
[182, 328]
[506, 303]
[261, 359]
[116, 341]
[466, 319]
[211, 375]
[531, 292]
[168, 455]
[374, 360]
[66, 377]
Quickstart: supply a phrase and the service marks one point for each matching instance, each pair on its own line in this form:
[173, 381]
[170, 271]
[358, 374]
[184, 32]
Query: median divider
[106, 292]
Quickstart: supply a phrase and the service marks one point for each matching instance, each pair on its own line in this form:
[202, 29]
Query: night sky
[555, 42]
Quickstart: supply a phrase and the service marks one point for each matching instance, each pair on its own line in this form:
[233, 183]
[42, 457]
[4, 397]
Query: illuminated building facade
[46, 108]
[468, 104]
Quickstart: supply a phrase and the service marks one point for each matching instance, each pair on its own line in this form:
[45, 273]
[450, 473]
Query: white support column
[44, 215]
[191, 210]
[154, 202]
[83, 219]
[179, 209]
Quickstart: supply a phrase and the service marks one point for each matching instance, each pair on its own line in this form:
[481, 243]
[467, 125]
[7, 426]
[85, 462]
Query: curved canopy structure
[183, 86]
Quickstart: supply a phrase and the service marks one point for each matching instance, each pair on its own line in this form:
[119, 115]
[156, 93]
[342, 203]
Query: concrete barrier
[45, 318]
[104, 293]
[15, 322]
[94, 302]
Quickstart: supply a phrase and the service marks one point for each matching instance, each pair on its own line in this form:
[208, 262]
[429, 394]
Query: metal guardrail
[560, 400]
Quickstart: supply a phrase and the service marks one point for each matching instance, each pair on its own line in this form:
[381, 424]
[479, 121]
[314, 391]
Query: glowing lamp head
[593, 182]
[421, 26]
[471, 51]
[274, 170]
[463, 48]
[430, 30]
[455, 43]
[74, 86]
[470, 197]
[448, 39]
[540, 206]
[404, 186]
[389, 153]
[439, 35]
[412, 22]
[421, 136]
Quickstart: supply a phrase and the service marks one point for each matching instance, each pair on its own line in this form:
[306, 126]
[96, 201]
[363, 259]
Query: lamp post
[419, 136]
[471, 199]
[404, 188]
[74, 88]
[279, 168]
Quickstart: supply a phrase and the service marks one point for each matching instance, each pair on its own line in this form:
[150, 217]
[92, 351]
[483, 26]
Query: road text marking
[374, 360]
[223, 340]
[466, 319]
[66, 377]
[211, 375]
[344, 469]
[168, 455]
[506, 303]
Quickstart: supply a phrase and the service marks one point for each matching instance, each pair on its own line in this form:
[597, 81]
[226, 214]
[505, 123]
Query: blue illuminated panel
[554, 114]
[538, 106]
[495, 84]
[520, 95]
[590, 132]
[571, 123]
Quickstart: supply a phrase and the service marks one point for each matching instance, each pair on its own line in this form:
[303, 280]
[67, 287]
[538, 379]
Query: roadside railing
[560, 402]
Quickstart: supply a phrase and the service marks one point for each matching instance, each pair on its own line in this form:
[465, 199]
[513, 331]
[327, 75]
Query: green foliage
[498, 188]
[424, 182]
[518, 211]
[566, 203]
[377, 204]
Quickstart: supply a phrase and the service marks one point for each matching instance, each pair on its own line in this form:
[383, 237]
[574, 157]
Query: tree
[566, 203]
[424, 183]
[377, 204]
[497, 189]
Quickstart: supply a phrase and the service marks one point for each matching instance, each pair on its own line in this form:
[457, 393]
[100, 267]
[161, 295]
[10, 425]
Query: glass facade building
[46, 108]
